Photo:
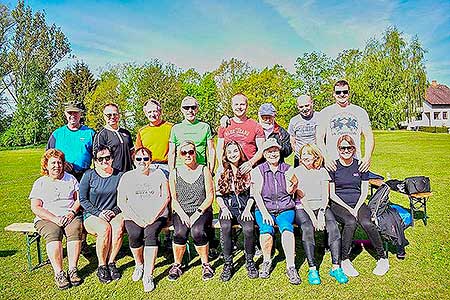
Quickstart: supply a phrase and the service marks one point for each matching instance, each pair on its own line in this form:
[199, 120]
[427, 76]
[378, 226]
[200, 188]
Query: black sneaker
[228, 271]
[103, 274]
[115, 275]
[175, 272]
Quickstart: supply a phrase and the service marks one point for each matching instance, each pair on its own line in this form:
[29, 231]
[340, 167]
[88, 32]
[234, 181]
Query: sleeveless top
[190, 195]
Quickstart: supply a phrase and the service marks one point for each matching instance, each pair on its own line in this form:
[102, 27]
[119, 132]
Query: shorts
[284, 221]
[51, 232]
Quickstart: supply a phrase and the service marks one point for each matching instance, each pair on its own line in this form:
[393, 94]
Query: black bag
[417, 184]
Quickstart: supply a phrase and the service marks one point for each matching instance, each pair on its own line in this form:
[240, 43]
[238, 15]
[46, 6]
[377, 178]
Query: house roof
[438, 94]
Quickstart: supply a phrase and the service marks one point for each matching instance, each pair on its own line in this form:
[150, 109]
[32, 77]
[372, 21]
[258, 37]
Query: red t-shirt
[244, 133]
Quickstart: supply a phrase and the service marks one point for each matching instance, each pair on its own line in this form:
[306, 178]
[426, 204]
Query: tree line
[387, 77]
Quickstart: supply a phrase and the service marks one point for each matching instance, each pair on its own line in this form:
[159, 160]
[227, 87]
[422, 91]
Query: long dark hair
[241, 181]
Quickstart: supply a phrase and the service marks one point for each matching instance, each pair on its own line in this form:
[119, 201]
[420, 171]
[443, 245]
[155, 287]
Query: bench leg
[425, 216]
[411, 208]
[29, 242]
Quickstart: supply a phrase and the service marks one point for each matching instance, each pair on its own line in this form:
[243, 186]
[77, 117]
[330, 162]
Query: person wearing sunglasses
[143, 197]
[342, 118]
[236, 207]
[102, 217]
[348, 191]
[313, 214]
[117, 139]
[192, 193]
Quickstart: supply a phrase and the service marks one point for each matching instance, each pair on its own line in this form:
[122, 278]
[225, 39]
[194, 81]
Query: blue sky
[200, 34]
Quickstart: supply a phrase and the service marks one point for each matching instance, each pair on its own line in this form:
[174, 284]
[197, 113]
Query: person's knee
[180, 236]
[248, 229]
[151, 240]
[367, 224]
[225, 227]
[199, 235]
[307, 232]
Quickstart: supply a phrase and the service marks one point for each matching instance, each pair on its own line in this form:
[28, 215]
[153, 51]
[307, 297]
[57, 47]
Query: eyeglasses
[346, 148]
[106, 158]
[345, 92]
[142, 158]
[184, 153]
[187, 107]
[109, 116]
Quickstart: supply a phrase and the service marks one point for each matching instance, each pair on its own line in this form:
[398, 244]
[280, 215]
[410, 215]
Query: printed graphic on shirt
[344, 123]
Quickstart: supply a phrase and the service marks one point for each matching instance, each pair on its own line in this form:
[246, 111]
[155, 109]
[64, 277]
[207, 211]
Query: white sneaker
[382, 267]
[137, 273]
[149, 285]
[348, 268]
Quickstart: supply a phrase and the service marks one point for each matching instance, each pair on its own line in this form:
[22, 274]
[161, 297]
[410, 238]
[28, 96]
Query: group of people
[169, 175]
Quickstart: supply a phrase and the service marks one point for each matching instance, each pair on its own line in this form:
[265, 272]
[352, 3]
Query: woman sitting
[312, 212]
[192, 192]
[54, 202]
[102, 217]
[233, 197]
[143, 197]
[272, 187]
[348, 191]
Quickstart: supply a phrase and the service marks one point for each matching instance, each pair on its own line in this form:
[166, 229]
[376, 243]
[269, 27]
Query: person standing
[117, 139]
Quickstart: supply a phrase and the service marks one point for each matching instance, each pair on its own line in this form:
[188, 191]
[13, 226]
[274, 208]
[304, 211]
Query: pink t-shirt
[244, 133]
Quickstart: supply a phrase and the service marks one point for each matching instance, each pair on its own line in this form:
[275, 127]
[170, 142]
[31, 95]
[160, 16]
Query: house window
[444, 115]
[436, 115]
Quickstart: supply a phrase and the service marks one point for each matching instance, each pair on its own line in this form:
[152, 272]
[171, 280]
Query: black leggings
[303, 220]
[199, 230]
[350, 223]
[248, 227]
[148, 236]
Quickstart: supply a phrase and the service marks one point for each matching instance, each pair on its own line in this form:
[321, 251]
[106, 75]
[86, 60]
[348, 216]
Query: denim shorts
[283, 220]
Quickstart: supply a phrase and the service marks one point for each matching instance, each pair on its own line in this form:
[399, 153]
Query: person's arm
[165, 195]
[225, 212]
[51, 142]
[286, 147]
[293, 143]
[248, 165]
[209, 189]
[219, 151]
[211, 155]
[138, 143]
[338, 200]
[369, 145]
[255, 191]
[171, 156]
[325, 193]
[44, 214]
[330, 164]
[85, 202]
[362, 197]
[174, 201]
[291, 181]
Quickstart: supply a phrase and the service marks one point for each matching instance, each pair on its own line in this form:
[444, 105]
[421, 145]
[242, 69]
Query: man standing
[74, 140]
[117, 139]
[271, 129]
[344, 118]
[302, 127]
[192, 129]
[247, 132]
[155, 136]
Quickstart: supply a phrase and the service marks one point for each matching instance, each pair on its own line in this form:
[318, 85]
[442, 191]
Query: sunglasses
[109, 116]
[142, 158]
[106, 158]
[344, 148]
[345, 92]
[184, 153]
[187, 107]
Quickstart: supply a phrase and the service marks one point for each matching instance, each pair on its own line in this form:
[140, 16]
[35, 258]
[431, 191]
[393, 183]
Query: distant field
[424, 274]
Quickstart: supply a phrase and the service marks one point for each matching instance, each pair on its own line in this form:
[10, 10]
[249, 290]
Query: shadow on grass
[6, 253]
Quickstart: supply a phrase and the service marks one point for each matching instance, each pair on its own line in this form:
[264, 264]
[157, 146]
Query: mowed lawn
[424, 274]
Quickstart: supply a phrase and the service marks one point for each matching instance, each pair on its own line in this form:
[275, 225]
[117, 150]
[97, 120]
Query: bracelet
[74, 212]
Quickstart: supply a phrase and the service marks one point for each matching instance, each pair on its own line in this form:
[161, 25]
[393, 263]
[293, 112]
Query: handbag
[417, 184]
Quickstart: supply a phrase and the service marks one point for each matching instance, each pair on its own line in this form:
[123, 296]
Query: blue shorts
[283, 220]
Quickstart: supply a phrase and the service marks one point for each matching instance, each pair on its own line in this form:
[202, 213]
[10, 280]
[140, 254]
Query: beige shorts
[51, 232]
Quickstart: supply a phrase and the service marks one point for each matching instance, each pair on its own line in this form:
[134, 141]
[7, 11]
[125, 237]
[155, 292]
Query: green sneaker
[313, 277]
[339, 275]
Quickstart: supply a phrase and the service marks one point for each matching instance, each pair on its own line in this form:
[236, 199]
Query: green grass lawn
[424, 274]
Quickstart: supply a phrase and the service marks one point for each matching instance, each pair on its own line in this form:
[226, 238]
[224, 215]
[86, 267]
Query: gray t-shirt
[303, 130]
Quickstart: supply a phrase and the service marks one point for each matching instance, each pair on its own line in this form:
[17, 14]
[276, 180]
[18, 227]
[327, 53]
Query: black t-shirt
[347, 180]
[120, 143]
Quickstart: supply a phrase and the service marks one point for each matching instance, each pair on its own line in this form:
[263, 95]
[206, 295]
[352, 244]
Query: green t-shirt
[198, 132]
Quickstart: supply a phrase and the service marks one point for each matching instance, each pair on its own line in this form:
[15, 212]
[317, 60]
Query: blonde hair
[314, 151]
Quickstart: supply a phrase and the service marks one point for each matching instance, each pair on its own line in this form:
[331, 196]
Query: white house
[436, 107]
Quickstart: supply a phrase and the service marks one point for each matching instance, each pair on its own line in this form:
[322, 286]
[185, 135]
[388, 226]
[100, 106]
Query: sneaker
[207, 272]
[252, 271]
[313, 277]
[258, 252]
[348, 268]
[149, 284]
[74, 279]
[175, 272]
[137, 273]
[115, 275]
[382, 267]
[264, 271]
[61, 280]
[339, 275]
[103, 274]
[292, 274]
[228, 269]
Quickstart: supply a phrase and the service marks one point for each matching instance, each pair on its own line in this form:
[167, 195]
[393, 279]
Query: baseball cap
[74, 106]
[269, 143]
[267, 109]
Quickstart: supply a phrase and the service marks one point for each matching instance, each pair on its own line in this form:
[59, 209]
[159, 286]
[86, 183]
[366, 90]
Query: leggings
[248, 227]
[350, 223]
[199, 230]
[303, 220]
[148, 236]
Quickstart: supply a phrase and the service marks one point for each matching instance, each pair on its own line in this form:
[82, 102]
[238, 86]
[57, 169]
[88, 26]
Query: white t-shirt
[337, 121]
[311, 183]
[57, 195]
[141, 196]
[303, 130]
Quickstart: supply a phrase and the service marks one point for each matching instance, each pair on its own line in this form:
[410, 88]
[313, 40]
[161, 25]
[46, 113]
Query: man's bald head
[305, 105]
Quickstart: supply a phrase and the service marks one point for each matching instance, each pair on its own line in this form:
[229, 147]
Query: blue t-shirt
[347, 180]
[75, 144]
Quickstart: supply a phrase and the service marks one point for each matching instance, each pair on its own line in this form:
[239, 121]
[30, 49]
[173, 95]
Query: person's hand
[225, 122]
[292, 187]
[320, 220]
[247, 215]
[185, 219]
[68, 167]
[246, 167]
[267, 218]
[225, 214]
[67, 218]
[194, 217]
[330, 164]
[364, 165]
[300, 194]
